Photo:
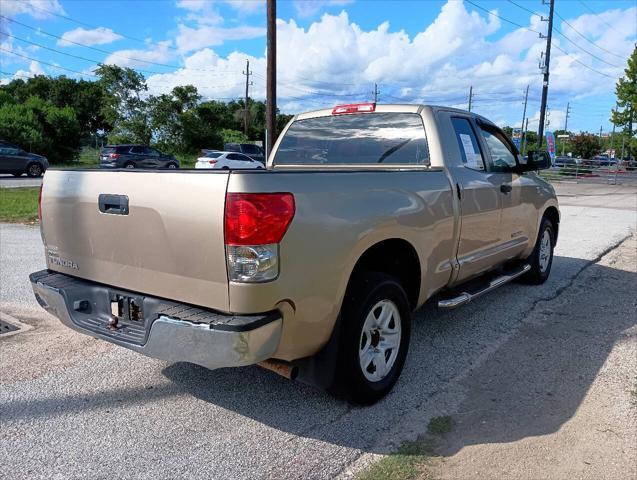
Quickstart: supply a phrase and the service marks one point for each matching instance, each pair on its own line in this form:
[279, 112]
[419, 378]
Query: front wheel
[375, 338]
[541, 259]
[172, 166]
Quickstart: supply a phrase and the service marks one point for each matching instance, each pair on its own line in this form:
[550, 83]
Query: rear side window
[468, 144]
[137, 150]
[366, 139]
[107, 150]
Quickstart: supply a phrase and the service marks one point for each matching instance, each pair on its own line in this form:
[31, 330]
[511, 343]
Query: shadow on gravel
[531, 385]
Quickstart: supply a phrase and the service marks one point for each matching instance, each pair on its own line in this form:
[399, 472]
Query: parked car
[253, 151]
[135, 156]
[565, 162]
[16, 161]
[227, 161]
[312, 269]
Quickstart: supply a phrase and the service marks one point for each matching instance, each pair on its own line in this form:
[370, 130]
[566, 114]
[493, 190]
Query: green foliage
[233, 136]
[406, 463]
[39, 126]
[55, 117]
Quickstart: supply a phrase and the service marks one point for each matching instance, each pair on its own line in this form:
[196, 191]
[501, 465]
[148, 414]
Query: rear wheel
[172, 165]
[375, 337]
[17, 174]
[129, 165]
[34, 170]
[541, 259]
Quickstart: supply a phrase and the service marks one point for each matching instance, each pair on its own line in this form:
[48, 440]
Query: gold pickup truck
[311, 267]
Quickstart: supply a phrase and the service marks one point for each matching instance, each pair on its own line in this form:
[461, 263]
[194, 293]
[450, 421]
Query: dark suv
[16, 161]
[135, 156]
[255, 152]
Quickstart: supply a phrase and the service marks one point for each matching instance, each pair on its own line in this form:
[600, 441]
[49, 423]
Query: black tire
[540, 269]
[365, 293]
[129, 165]
[172, 165]
[225, 168]
[17, 174]
[34, 170]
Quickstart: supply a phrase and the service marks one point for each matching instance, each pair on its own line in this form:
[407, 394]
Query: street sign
[550, 142]
[516, 136]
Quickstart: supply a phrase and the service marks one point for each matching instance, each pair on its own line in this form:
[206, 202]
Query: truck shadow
[522, 371]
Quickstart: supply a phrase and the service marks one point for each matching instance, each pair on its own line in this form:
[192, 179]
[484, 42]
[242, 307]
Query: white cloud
[308, 8]
[139, 58]
[334, 60]
[34, 69]
[39, 9]
[96, 36]
[190, 39]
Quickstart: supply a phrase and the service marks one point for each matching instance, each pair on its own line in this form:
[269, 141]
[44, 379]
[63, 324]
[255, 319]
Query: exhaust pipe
[283, 368]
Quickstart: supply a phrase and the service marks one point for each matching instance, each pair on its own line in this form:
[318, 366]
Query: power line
[39, 31]
[582, 63]
[565, 37]
[48, 64]
[79, 22]
[587, 39]
[539, 33]
[595, 13]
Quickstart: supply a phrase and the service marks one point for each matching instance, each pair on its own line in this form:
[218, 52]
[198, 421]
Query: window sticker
[474, 160]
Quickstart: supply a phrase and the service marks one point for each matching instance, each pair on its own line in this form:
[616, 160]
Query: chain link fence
[608, 172]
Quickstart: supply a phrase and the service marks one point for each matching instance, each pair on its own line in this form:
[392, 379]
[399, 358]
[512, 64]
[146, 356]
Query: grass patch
[440, 425]
[404, 464]
[19, 205]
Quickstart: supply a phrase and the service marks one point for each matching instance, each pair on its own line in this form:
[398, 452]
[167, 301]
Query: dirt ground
[559, 399]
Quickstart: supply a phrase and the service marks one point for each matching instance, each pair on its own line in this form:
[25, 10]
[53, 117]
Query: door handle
[113, 204]
[506, 188]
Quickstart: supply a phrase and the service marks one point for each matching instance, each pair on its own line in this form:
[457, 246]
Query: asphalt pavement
[9, 181]
[74, 407]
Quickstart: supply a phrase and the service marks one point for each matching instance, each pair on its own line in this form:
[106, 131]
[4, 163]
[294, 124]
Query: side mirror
[537, 161]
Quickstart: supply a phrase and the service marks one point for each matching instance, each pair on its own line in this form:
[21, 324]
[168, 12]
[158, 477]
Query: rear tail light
[113, 155]
[354, 108]
[255, 223]
[212, 162]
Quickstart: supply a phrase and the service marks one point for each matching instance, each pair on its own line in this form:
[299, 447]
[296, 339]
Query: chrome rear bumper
[214, 340]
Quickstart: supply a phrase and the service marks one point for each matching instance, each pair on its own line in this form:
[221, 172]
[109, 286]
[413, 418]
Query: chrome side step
[466, 297]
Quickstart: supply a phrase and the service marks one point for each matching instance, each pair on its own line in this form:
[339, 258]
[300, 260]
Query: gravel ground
[74, 407]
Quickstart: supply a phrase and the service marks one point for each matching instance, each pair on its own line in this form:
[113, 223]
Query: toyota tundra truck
[311, 267]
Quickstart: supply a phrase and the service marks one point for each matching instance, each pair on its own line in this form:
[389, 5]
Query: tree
[585, 145]
[123, 105]
[626, 91]
[39, 126]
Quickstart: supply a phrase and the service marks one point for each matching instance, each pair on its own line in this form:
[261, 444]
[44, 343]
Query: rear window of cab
[360, 139]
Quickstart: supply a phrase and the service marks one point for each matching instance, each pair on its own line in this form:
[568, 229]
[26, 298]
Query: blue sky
[333, 51]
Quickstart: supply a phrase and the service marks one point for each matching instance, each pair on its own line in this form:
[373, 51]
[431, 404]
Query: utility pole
[247, 73]
[376, 93]
[545, 68]
[270, 105]
[568, 111]
[526, 128]
[526, 98]
[470, 96]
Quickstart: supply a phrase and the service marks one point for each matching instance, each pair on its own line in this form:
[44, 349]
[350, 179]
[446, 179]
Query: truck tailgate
[168, 242]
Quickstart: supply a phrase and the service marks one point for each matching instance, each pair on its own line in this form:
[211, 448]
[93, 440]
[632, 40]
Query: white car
[227, 161]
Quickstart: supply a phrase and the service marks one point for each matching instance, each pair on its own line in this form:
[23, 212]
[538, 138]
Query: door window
[502, 154]
[468, 144]
[137, 150]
